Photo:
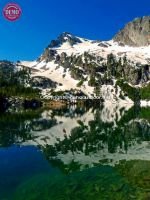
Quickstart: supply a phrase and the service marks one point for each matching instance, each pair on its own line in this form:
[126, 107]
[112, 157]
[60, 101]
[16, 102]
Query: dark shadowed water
[75, 153]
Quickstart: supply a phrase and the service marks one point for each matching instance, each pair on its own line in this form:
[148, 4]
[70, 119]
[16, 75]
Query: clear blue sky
[43, 20]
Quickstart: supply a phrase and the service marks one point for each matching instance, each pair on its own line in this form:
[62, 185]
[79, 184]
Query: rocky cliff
[135, 33]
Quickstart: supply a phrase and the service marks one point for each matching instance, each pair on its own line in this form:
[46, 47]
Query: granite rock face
[135, 33]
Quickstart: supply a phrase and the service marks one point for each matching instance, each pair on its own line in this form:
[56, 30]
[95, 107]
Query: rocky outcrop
[135, 33]
[42, 82]
[138, 75]
[48, 55]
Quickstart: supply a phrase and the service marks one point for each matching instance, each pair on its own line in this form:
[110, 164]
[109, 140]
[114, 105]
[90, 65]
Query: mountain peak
[135, 33]
[66, 34]
[65, 37]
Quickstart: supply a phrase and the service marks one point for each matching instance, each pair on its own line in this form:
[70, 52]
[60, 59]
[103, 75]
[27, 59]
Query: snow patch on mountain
[103, 49]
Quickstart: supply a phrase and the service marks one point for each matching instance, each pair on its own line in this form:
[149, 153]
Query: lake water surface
[75, 153]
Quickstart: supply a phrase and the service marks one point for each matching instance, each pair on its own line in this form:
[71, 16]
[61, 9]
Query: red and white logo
[12, 11]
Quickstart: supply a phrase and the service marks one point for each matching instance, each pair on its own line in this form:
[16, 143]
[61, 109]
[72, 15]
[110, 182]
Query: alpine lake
[75, 153]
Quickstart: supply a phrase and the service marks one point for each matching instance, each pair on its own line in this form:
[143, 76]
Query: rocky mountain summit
[135, 33]
[64, 37]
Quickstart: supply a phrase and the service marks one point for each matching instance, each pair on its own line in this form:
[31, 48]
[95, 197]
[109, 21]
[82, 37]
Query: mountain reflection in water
[73, 139]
